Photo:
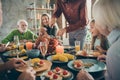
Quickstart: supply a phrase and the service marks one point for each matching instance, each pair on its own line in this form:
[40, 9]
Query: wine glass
[87, 47]
[17, 43]
[43, 48]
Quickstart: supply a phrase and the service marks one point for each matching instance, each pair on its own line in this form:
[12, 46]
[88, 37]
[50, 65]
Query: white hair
[22, 30]
[107, 13]
[22, 20]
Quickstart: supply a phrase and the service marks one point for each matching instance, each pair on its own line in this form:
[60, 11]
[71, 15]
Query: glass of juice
[29, 45]
[21, 46]
[77, 46]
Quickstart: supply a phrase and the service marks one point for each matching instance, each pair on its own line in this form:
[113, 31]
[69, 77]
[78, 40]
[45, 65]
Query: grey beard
[22, 31]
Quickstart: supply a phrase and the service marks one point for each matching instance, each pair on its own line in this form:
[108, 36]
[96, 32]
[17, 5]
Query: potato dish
[62, 57]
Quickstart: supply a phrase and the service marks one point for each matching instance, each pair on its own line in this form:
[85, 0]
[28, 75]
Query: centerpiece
[52, 42]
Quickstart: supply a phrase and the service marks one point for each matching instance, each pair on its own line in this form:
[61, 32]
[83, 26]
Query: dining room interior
[52, 57]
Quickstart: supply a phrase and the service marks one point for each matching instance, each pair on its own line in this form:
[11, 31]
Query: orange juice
[21, 46]
[29, 45]
[77, 47]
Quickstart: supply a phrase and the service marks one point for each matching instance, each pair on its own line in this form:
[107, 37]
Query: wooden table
[13, 74]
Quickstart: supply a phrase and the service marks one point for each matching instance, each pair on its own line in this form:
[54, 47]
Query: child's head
[93, 29]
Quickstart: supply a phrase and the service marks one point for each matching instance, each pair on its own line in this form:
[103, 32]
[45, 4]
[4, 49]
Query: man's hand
[2, 48]
[14, 63]
[102, 58]
[28, 74]
[61, 32]
[84, 75]
[52, 22]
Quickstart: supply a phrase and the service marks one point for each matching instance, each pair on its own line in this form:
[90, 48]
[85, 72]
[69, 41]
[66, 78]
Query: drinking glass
[87, 47]
[43, 48]
[21, 46]
[77, 46]
[16, 41]
[29, 45]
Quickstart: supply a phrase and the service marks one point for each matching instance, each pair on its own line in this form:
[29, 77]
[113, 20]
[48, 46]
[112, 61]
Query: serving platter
[13, 53]
[96, 67]
[60, 74]
[57, 61]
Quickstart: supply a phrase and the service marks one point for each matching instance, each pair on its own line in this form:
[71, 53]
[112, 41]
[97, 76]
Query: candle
[29, 45]
[59, 49]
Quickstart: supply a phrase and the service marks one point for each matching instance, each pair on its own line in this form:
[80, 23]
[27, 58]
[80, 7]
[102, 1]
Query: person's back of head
[107, 13]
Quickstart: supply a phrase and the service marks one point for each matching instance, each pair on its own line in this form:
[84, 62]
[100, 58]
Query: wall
[13, 10]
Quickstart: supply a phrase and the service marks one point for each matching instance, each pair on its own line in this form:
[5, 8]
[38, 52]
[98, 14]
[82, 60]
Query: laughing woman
[45, 19]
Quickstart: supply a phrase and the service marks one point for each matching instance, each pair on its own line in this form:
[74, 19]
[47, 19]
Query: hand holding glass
[43, 48]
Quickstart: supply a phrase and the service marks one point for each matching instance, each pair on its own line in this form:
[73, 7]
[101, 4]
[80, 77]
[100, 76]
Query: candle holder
[59, 49]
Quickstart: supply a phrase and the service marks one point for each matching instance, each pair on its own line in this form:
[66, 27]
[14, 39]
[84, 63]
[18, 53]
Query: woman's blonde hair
[107, 13]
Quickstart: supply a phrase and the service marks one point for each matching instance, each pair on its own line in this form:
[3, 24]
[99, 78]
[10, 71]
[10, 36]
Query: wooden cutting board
[47, 65]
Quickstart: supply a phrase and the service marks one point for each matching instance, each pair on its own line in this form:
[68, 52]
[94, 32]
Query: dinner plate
[92, 55]
[23, 57]
[70, 78]
[50, 59]
[96, 67]
[12, 53]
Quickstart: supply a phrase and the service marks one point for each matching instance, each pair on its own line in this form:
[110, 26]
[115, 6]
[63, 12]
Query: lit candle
[29, 45]
[59, 49]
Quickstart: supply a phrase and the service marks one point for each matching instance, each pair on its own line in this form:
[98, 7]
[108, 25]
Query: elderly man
[22, 32]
